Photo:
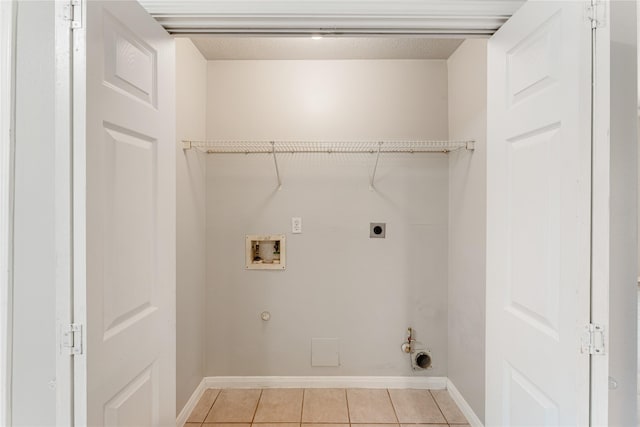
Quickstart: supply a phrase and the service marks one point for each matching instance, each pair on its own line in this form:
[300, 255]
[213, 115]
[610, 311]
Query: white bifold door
[538, 213]
[124, 217]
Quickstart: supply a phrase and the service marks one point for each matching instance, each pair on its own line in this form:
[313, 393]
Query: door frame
[614, 74]
[69, 234]
[599, 365]
[69, 237]
[8, 26]
[63, 216]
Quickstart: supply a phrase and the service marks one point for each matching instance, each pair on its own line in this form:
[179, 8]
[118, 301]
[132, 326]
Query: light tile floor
[322, 407]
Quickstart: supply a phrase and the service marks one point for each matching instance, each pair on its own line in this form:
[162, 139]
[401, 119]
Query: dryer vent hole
[423, 360]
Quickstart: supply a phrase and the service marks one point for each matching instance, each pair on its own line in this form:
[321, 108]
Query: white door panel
[538, 214]
[129, 366]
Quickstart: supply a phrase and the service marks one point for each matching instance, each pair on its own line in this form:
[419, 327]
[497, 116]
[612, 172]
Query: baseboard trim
[473, 419]
[191, 403]
[429, 383]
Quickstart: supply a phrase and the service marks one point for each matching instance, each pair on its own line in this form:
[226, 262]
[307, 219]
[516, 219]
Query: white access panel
[124, 217]
[538, 216]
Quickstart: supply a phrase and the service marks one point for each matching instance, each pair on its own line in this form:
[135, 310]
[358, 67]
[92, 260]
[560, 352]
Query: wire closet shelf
[281, 147]
[278, 147]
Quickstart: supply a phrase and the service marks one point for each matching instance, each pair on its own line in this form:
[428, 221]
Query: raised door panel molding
[130, 63]
[130, 165]
[524, 397]
[134, 404]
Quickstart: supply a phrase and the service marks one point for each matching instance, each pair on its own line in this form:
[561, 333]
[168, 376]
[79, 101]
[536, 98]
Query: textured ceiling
[218, 48]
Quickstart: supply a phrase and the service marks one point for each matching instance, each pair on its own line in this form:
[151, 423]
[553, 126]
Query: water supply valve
[406, 346]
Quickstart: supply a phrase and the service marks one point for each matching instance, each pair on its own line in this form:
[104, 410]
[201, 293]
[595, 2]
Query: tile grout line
[393, 407]
[212, 403]
[302, 406]
[255, 411]
[345, 390]
[438, 406]
[346, 399]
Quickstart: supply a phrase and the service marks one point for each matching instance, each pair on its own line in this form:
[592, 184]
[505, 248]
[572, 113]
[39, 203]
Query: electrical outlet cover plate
[377, 230]
[296, 225]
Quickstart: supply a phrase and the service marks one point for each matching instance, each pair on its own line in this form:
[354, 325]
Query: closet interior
[331, 209]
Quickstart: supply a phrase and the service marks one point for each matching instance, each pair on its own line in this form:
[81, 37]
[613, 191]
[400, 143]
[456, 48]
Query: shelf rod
[275, 162]
[375, 167]
[439, 151]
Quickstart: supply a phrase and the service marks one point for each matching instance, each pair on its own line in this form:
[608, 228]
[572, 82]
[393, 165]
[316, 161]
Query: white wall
[623, 308]
[467, 69]
[34, 339]
[338, 282]
[191, 83]
[367, 100]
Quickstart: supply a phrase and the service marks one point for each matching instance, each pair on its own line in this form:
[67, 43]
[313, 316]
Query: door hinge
[72, 339]
[73, 13]
[596, 13]
[593, 339]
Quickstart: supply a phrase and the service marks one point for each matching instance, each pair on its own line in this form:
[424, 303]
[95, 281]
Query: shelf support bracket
[186, 145]
[275, 162]
[375, 168]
